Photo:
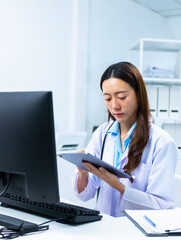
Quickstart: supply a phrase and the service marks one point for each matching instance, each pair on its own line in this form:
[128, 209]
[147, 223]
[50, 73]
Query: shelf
[168, 120]
[164, 98]
[163, 45]
[161, 121]
[166, 45]
[164, 101]
[162, 81]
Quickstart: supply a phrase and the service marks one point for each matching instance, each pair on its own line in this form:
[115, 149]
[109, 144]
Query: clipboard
[134, 216]
[78, 158]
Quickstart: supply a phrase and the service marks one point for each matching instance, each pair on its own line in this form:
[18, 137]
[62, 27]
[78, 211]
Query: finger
[91, 168]
[105, 172]
[99, 172]
[107, 176]
[81, 151]
[84, 164]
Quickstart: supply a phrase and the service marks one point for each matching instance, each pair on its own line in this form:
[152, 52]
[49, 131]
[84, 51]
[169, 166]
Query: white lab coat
[153, 186]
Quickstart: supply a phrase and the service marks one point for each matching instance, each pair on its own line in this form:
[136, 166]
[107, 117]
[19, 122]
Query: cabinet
[164, 92]
[169, 47]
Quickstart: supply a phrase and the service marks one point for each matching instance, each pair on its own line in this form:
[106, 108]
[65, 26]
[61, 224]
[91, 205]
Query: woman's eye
[107, 99]
[122, 98]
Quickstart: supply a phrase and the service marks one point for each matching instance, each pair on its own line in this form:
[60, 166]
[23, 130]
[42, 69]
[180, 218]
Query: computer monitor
[27, 147]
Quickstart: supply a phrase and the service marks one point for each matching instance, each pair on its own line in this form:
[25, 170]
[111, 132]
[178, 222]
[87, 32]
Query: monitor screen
[27, 147]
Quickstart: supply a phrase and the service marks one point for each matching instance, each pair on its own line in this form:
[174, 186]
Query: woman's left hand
[106, 176]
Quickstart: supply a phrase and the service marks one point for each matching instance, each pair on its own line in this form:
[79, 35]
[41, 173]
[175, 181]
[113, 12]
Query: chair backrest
[177, 185]
[94, 128]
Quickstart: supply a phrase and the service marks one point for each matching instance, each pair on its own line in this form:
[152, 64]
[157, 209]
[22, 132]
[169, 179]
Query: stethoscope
[103, 145]
[102, 151]
[104, 140]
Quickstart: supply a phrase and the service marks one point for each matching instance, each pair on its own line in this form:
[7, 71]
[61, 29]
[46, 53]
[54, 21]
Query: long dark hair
[130, 74]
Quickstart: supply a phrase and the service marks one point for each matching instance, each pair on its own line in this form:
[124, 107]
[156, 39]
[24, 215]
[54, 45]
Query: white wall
[43, 46]
[174, 24]
[35, 46]
[39, 47]
[113, 28]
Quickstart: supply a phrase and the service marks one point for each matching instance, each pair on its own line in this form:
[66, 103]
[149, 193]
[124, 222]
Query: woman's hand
[81, 170]
[82, 177]
[106, 176]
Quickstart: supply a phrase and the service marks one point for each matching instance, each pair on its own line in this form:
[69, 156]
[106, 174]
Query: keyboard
[62, 212]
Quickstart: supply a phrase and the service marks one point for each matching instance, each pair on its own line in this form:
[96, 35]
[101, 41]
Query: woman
[133, 144]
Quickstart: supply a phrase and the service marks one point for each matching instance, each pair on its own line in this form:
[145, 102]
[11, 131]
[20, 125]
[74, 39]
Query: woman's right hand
[82, 177]
[81, 170]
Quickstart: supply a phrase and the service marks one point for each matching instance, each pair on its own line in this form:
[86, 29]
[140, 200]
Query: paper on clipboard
[78, 158]
[167, 221]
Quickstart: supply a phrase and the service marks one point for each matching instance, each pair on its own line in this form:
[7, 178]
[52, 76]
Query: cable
[8, 176]
[6, 233]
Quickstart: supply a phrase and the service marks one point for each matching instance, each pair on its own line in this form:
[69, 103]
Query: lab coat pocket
[141, 176]
[145, 166]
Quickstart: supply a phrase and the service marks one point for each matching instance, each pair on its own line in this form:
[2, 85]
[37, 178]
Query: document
[78, 158]
[175, 94]
[163, 101]
[157, 222]
[152, 92]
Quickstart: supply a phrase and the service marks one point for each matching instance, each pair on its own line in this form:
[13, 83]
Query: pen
[149, 220]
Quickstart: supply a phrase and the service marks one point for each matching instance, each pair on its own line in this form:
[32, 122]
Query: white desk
[107, 228]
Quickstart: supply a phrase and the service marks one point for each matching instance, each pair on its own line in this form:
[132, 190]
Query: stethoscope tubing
[104, 140]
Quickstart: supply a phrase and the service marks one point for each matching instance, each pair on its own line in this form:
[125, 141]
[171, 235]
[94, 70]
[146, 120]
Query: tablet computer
[78, 158]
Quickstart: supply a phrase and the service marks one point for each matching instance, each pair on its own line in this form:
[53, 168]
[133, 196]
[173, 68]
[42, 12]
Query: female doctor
[133, 144]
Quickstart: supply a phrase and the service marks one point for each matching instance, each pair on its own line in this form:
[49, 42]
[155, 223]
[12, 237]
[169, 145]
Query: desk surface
[107, 228]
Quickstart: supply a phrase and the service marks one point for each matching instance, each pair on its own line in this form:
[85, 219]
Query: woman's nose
[115, 104]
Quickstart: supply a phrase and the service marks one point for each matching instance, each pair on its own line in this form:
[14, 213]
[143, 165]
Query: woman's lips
[118, 114]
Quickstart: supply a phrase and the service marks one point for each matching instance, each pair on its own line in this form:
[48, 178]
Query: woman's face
[121, 100]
